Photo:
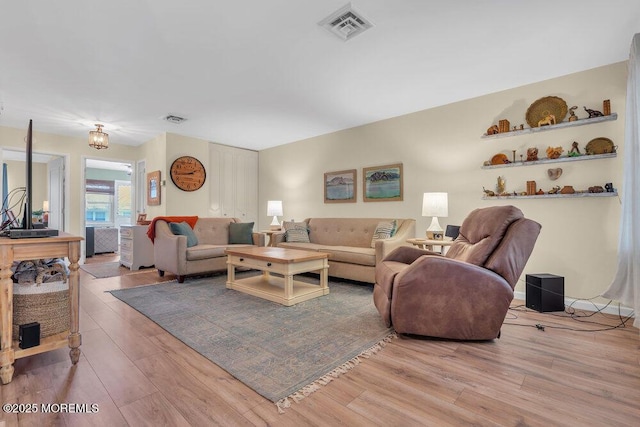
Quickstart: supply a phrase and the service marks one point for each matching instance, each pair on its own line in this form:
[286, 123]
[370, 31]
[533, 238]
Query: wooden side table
[11, 250]
[270, 234]
[428, 244]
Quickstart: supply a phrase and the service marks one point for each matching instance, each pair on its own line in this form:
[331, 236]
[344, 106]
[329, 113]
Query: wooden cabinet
[234, 183]
[136, 249]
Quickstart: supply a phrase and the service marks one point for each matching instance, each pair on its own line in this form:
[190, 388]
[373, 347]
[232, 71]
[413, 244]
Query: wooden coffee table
[286, 262]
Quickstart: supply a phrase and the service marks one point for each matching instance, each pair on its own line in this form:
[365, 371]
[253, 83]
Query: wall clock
[187, 173]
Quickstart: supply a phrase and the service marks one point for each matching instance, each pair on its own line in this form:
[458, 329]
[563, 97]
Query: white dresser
[136, 249]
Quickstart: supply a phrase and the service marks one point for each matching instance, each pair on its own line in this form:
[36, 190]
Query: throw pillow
[184, 229]
[384, 230]
[296, 232]
[241, 233]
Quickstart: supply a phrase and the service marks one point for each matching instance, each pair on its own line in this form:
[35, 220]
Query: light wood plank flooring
[140, 375]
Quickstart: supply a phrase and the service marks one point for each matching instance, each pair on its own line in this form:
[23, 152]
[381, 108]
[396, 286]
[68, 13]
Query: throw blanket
[151, 231]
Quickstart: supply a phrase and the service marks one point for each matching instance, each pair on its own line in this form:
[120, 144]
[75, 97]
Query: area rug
[105, 269]
[283, 353]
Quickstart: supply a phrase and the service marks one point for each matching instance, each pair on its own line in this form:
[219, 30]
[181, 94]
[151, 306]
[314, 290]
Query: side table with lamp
[435, 205]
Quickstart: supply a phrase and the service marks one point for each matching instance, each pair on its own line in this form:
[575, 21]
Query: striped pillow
[296, 232]
[384, 230]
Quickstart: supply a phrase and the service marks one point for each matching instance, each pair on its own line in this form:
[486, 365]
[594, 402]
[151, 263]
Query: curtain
[626, 283]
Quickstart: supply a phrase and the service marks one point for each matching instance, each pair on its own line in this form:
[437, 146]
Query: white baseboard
[588, 305]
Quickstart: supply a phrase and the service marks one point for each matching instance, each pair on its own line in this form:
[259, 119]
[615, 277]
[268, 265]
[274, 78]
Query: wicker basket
[47, 304]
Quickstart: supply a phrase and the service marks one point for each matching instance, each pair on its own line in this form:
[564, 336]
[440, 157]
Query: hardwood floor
[137, 374]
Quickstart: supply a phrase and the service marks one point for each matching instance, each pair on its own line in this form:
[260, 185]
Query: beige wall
[441, 150]
[16, 178]
[75, 149]
[154, 154]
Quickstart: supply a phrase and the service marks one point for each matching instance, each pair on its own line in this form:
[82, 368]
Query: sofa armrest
[277, 238]
[258, 239]
[169, 250]
[384, 247]
[423, 294]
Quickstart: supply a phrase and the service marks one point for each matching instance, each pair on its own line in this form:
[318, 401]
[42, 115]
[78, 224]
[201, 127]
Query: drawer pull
[241, 259]
[268, 264]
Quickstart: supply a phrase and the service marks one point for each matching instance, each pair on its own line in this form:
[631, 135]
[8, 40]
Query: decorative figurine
[488, 192]
[554, 190]
[567, 189]
[500, 186]
[609, 187]
[521, 126]
[554, 173]
[593, 113]
[596, 189]
[493, 130]
[532, 154]
[540, 192]
[554, 153]
[572, 114]
[575, 150]
[549, 119]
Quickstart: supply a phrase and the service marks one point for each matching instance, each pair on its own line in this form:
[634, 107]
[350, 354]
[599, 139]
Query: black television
[26, 229]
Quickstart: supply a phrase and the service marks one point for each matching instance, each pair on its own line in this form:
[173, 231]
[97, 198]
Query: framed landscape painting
[153, 188]
[382, 183]
[340, 186]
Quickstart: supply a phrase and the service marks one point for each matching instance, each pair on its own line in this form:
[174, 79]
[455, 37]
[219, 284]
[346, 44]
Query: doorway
[108, 204]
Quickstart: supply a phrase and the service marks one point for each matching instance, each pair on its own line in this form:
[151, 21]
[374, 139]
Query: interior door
[55, 170]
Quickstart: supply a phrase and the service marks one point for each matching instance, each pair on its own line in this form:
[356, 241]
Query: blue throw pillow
[241, 233]
[184, 229]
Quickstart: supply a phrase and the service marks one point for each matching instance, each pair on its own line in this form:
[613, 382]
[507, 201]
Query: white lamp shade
[274, 208]
[435, 204]
[45, 206]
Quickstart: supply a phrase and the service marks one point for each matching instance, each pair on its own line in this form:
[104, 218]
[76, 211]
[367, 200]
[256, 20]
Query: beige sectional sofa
[348, 241]
[171, 254]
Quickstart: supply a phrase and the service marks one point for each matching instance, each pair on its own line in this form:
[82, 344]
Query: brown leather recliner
[465, 294]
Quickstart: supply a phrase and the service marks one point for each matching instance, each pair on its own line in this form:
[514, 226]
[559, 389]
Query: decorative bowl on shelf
[600, 146]
[544, 107]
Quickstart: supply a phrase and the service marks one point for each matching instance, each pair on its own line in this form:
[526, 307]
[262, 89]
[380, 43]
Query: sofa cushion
[241, 233]
[199, 252]
[296, 232]
[384, 230]
[300, 245]
[184, 229]
[350, 254]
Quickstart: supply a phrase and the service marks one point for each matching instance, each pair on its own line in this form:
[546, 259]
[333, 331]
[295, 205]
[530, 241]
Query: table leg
[75, 339]
[288, 286]
[231, 273]
[324, 278]
[6, 302]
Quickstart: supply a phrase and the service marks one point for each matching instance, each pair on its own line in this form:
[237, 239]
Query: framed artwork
[382, 183]
[153, 188]
[141, 218]
[340, 186]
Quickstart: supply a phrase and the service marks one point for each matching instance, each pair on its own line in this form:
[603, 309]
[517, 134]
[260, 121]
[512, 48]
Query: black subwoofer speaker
[545, 292]
[29, 335]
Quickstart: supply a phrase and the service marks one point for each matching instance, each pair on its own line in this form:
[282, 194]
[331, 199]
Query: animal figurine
[488, 192]
[501, 185]
[554, 153]
[572, 114]
[532, 154]
[548, 119]
[609, 187]
[554, 190]
[493, 130]
[593, 113]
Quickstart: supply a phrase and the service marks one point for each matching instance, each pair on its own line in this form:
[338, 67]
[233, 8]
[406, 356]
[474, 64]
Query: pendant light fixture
[98, 139]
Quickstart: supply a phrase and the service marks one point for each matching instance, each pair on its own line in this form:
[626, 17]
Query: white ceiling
[257, 73]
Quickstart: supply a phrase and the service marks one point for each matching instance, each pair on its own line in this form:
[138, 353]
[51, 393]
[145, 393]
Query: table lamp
[45, 213]
[274, 208]
[435, 205]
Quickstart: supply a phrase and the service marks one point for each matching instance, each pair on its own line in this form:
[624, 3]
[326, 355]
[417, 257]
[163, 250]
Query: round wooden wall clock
[187, 173]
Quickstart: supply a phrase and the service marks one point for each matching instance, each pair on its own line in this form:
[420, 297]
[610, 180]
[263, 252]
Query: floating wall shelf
[554, 196]
[561, 159]
[579, 122]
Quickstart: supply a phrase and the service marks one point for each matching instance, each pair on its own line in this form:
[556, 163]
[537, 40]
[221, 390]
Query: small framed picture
[153, 188]
[340, 186]
[382, 183]
[142, 218]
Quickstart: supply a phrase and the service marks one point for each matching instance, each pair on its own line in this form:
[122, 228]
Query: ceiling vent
[174, 119]
[346, 23]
